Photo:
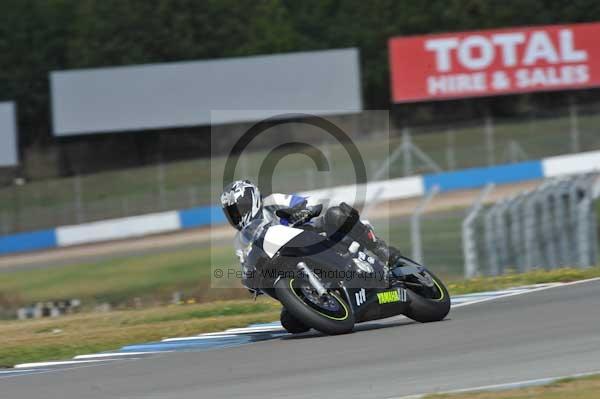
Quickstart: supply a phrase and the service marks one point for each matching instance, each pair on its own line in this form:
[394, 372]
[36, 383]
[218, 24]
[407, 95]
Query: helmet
[241, 202]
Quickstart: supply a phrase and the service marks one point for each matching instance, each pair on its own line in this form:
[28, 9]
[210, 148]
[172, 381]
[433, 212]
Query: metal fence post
[450, 151]
[385, 169]
[469, 242]
[529, 215]
[193, 196]
[490, 241]
[583, 232]
[586, 234]
[501, 235]
[575, 196]
[489, 138]
[406, 152]
[515, 211]
[592, 221]
[561, 222]
[160, 178]
[125, 206]
[547, 253]
[4, 223]
[415, 225]
[78, 193]
[574, 121]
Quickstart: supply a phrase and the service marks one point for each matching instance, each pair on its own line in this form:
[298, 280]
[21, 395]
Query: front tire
[292, 294]
[292, 324]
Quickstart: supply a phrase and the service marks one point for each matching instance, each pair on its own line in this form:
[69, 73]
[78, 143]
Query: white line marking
[13, 371]
[491, 298]
[115, 354]
[50, 370]
[545, 287]
[198, 337]
[57, 363]
[253, 329]
[503, 387]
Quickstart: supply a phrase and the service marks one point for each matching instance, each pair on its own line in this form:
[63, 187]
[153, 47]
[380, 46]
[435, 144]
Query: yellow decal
[388, 296]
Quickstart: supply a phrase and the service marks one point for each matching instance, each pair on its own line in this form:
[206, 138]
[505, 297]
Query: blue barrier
[30, 241]
[212, 215]
[201, 216]
[478, 177]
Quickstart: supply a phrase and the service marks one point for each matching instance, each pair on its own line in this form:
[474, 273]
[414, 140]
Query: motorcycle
[308, 273]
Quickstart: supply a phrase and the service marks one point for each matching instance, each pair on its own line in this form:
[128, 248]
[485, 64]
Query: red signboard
[493, 62]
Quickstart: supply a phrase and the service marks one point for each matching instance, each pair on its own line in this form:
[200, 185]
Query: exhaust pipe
[312, 278]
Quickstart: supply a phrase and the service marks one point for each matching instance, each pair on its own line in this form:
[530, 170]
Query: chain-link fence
[432, 238]
[412, 150]
[554, 225]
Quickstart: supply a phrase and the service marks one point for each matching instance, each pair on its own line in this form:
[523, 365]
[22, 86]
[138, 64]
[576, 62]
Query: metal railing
[554, 225]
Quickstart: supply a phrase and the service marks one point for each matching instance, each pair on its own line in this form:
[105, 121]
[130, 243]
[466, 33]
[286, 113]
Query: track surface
[540, 334]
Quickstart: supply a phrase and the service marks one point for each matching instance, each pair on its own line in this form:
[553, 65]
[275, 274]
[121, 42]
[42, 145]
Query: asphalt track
[547, 333]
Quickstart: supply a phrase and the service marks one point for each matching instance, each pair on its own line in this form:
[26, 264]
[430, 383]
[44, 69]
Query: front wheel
[428, 304]
[292, 324]
[329, 314]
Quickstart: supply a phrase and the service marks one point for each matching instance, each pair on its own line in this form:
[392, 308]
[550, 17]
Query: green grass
[225, 310]
[480, 284]
[571, 388]
[67, 336]
[152, 278]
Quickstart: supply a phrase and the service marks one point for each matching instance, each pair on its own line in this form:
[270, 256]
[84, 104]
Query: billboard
[183, 93]
[8, 135]
[493, 62]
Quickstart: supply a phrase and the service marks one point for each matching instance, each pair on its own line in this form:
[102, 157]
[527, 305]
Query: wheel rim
[326, 303]
[331, 306]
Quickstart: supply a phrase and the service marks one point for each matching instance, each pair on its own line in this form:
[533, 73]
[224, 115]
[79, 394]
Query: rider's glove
[300, 216]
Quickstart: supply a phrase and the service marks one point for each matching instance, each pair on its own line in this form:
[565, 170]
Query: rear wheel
[329, 313]
[428, 304]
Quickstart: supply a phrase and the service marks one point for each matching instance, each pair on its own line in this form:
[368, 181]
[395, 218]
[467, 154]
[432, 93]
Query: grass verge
[68, 336]
[579, 388]
[480, 284]
[64, 337]
[149, 278]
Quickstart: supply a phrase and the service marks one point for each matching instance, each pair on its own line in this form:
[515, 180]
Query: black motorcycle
[330, 286]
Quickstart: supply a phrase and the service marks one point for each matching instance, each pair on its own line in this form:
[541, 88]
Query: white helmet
[241, 202]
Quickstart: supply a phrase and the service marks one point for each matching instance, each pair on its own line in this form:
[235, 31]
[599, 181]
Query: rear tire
[291, 297]
[426, 310]
[292, 324]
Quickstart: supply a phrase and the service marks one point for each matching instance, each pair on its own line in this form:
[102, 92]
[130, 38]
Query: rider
[242, 203]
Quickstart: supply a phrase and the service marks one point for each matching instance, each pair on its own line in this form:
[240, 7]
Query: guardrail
[551, 226]
[406, 187]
